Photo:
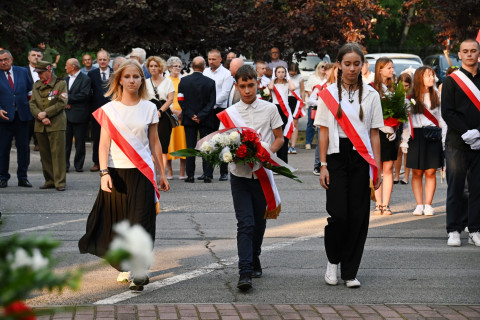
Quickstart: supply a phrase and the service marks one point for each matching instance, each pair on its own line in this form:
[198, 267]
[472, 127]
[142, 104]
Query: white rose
[266, 91]
[234, 137]
[227, 157]
[413, 101]
[206, 147]
[137, 242]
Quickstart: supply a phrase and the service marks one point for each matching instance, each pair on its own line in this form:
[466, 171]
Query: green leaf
[190, 152]
[283, 171]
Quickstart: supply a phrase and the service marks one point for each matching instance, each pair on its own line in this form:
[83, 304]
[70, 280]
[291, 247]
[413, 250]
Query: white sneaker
[354, 283]
[418, 210]
[123, 277]
[454, 239]
[331, 274]
[308, 146]
[474, 238]
[466, 229]
[428, 210]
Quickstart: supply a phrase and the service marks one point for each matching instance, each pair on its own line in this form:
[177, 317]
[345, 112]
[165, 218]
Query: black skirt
[132, 199]
[423, 154]
[389, 149]
[164, 132]
[292, 103]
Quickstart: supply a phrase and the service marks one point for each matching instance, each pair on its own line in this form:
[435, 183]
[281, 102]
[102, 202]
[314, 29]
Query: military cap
[43, 66]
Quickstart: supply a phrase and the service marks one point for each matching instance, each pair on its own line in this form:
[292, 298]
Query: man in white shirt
[223, 83]
[77, 111]
[248, 198]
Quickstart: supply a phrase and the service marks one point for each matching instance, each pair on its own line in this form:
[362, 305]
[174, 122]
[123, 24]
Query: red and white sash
[131, 146]
[353, 127]
[283, 102]
[472, 92]
[231, 118]
[298, 113]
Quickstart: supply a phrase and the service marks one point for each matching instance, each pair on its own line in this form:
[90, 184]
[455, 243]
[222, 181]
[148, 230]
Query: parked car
[440, 64]
[401, 61]
[308, 63]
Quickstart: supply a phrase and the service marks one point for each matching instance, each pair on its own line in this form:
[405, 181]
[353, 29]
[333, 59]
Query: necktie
[104, 78]
[10, 80]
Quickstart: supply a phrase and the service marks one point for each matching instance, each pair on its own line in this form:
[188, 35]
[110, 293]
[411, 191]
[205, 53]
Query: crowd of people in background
[443, 124]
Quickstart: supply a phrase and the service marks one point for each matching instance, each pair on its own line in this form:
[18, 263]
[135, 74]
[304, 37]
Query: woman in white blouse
[161, 92]
[424, 155]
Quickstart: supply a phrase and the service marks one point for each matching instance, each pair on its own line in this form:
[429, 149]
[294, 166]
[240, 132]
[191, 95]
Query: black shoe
[24, 183]
[3, 183]
[245, 282]
[190, 179]
[395, 181]
[68, 170]
[79, 170]
[1, 218]
[207, 180]
[201, 177]
[223, 177]
[257, 268]
[138, 283]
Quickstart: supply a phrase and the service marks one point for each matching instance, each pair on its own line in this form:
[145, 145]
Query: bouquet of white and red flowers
[239, 145]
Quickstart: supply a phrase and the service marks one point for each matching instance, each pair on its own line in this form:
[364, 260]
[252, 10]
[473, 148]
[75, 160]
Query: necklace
[350, 90]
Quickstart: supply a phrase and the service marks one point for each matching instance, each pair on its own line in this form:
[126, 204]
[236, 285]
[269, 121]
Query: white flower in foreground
[413, 101]
[266, 91]
[206, 147]
[234, 137]
[216, 138]
[225, 155]
[22, 258]
[137, 242]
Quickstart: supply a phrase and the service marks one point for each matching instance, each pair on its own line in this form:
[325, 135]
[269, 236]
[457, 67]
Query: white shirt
[282, 88]
[263, 117]
[313, 80]
[296, 79]
[164, 88]
[34, 73]
[273, 64]
[264, 81]
[372, 115]
[138, 118]
[223, 83]
[71, 79]
[107, 73]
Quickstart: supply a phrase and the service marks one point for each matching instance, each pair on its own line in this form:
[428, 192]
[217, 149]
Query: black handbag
[432, 133]
[172, 117]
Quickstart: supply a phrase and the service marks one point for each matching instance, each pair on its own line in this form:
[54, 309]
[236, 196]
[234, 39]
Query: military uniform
[52, 98]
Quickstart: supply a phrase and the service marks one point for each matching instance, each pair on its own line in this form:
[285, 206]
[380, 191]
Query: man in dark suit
[197, 96]
[78, 112]
[15, 88]
[34, 55]
[99, 78]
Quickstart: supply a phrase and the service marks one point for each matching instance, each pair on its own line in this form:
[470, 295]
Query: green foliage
[393, 105]
[18, 282]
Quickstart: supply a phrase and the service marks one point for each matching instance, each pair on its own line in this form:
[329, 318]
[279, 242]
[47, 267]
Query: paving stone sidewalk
[265, 312]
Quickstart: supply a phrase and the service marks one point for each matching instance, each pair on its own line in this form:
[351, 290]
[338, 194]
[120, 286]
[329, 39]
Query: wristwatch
[323, 164]
[103, 172]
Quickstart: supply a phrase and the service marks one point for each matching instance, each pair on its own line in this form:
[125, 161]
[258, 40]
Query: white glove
[471, 136]
[404, 150]
[391, 136]
[404, 147]
[475, 145]
[386, 129]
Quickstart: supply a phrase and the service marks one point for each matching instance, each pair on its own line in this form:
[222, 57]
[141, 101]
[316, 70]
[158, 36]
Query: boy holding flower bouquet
[249, 200]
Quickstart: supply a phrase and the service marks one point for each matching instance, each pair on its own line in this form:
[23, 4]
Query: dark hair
[36, 50]
[282, 67]
[348, 48]
[245, 72]
[417, 93]
[293, 66]
[379, 65]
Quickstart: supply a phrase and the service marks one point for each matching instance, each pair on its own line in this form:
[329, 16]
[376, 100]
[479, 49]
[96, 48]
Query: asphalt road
[406, 258]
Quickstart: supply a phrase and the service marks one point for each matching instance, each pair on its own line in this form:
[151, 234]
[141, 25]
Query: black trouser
[79, 131]
[191, 134]
[20, 131]
[249, 203]
[348, 204]
[95, 140]
[462, 164]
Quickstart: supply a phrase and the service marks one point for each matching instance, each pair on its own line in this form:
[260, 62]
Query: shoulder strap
[430, 117]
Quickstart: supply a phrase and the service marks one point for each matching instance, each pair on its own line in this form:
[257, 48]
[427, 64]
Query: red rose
[242, 151]
[18, 308]
[250, 136]
[263, 155]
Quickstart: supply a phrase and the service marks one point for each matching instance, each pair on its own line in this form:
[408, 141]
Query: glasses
[179, 67]
[323, 67]
[273, 52]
